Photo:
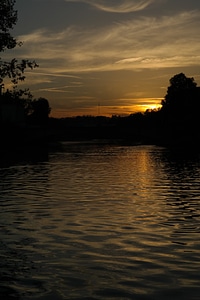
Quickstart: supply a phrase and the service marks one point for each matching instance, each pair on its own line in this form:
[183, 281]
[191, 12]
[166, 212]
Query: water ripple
[101, 222]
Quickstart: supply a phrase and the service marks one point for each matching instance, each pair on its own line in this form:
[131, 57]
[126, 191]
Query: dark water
[101, 222]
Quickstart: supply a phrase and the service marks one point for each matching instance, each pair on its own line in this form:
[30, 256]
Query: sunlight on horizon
[107, 111]
[145, 107]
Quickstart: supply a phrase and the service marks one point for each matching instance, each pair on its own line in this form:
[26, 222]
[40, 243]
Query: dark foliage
[18, 97]
[8, 18]
[13, 69]
[179, 94]
[40, 111]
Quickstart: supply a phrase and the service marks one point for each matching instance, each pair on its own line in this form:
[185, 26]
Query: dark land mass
[175, 124]
[151, 127]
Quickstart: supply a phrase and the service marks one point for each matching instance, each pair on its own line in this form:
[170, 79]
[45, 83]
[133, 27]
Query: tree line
[175, 122]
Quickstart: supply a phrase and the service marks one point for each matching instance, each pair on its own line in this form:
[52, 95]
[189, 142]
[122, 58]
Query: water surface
[95, 221]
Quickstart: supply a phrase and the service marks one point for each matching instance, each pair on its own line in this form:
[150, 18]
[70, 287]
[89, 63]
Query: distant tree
[11, 69]
[178, 93]
[40, 111]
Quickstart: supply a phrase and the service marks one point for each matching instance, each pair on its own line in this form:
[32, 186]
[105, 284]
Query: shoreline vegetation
[137, 129]
[176, 123]
[27, 123]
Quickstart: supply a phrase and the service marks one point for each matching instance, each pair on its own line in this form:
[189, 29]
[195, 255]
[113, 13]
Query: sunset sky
[106, 57]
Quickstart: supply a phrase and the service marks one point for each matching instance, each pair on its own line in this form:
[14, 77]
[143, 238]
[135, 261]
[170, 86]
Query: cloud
[146, 42]
[53, 74]
[104, 60]
[118, 6]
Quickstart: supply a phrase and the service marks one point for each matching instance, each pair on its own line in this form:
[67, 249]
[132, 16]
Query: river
[99, 221]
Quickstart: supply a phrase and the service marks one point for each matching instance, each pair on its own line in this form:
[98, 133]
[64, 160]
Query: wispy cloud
[54, 74]
[147, 42]
[117, 6]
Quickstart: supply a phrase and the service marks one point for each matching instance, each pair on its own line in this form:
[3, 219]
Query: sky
[106, 57]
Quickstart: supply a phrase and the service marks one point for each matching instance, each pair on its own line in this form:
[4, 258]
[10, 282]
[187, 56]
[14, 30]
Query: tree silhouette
[179, 94]
[22, 98]
[179, 114]
[7, 20]
[40, 111]
[11, 69]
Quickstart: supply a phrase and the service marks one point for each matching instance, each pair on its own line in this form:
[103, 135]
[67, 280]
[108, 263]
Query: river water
[97, 221]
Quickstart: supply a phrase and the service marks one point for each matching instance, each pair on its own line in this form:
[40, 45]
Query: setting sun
[149, 107]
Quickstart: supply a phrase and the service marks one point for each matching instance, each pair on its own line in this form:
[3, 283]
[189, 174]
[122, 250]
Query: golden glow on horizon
[107, 111]
[149, 106]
